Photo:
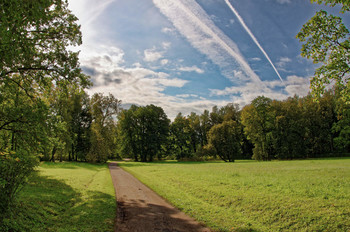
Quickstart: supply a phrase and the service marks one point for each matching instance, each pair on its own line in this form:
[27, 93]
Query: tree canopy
[326, 41]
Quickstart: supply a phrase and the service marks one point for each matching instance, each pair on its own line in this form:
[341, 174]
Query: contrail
[253, 37]
[196, 26]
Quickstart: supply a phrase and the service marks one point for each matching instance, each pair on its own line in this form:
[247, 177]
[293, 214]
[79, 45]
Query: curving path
[142, 210]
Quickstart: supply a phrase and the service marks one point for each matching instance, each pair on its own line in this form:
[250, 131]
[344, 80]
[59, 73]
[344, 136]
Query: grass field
[67, 197]
[307, 195]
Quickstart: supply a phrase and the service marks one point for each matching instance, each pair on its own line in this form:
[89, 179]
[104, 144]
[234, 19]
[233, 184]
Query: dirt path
[141, 210]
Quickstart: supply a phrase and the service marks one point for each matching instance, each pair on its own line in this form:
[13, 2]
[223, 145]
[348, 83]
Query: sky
[189, 55]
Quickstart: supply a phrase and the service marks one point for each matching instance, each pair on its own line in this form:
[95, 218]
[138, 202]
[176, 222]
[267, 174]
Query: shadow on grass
[73, 165]
[47, 204]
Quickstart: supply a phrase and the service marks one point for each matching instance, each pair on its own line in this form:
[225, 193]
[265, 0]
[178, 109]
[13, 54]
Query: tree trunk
[53, 154]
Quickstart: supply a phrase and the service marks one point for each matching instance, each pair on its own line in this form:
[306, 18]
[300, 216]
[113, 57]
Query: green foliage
[257, 119]
[226, 139]
[180, 137]
[308, 195]
[341, 128]
[103, 128]
[34, 37]
[65, 197]
[14, 170]
[143, 132]
[345, 4]
[327, 41]
[34, 60]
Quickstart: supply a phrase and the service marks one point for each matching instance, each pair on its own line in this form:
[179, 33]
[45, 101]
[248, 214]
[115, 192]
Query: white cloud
[244, 94]
[164, 61]
[283, 61]
[197, 27]
[166, 45]
[191, 69]
[284, 1]
[187, 95]
[256, 59]
[152, 55]
[168, 30]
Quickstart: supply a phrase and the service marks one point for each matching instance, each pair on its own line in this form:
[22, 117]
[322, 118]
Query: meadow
[66, 197]
[302, 195]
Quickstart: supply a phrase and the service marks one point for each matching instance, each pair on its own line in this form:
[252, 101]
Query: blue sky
[189, 55]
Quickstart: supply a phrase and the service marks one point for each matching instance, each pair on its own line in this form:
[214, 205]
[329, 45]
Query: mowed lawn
[306, 195]
[67, 197]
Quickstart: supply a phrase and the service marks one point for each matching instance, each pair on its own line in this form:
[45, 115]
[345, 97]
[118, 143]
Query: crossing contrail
[253, 37]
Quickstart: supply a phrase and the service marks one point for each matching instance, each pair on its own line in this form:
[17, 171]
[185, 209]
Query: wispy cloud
[284, 1]
[283, 61]
[88, 11]
[293, 85]
[198, 28]
[191, 69]
[240, 19]
[152, 55]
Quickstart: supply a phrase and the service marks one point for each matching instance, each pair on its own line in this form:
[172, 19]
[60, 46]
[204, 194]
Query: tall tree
[226, 139]
[326, 41]
[180, 136]
[257, 119]
[104, 110]
[144, 131]
[34, 57]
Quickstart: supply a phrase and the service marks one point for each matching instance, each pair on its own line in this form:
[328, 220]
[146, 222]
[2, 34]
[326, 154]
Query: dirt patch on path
[142, 210]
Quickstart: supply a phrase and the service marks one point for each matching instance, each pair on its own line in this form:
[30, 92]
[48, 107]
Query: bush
[15, 167]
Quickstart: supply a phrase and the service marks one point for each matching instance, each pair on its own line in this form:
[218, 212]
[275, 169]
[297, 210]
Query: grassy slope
[310, 195]
[67, 197]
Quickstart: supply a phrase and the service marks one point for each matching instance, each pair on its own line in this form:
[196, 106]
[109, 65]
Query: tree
[289, 129]
[103, 128]
[205, 127]
[226, 139]
[143, 131]
[327, 42]
[34, 58]
[180, 137]
[257, 119]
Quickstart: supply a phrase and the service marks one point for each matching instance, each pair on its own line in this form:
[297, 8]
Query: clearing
[303, 195]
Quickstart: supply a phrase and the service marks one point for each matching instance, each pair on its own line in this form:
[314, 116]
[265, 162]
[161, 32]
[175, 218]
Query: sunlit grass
[309, 195]
[67, 197]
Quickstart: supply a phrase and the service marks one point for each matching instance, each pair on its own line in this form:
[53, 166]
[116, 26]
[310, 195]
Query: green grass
[307, 195]
[67, 197]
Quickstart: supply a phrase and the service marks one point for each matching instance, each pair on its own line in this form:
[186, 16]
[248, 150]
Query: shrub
[15, 167]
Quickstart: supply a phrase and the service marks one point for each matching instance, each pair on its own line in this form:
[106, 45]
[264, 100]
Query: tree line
[266, 129]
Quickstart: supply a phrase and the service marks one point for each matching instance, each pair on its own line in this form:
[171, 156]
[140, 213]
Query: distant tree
[326, 41]
[104, 110]
[180, 136]
[341, 128]
[230, 112]
[216, 116]
[289, 129]
[144, 131]
[258, 120]
[318, 119]
[205, 125]
[127, 133]
[226, 139]
[195, 131]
